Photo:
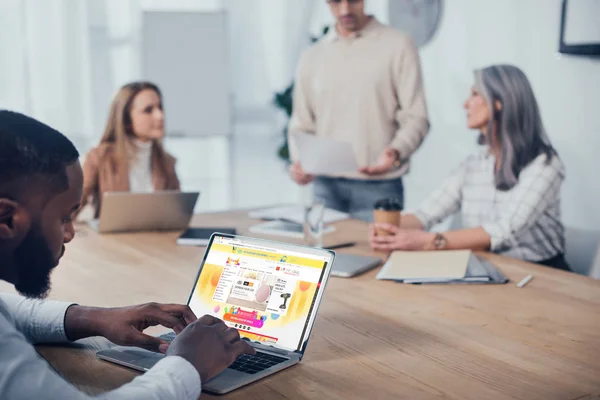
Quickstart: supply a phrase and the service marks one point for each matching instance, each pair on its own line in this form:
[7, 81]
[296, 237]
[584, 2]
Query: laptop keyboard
[256, 363]
[245, 363]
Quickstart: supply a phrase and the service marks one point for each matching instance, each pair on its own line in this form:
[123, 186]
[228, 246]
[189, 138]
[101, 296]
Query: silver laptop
[270, 292]
[350, 265]
[130, 212]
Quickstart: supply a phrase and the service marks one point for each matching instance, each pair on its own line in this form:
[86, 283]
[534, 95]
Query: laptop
[201, 236]
[350, 265]
[157, 211]
[269, 291]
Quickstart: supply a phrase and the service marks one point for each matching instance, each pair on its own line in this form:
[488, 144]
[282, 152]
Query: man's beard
[34, 263]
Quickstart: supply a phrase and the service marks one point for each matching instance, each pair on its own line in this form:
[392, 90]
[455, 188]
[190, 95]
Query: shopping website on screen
[265, 293]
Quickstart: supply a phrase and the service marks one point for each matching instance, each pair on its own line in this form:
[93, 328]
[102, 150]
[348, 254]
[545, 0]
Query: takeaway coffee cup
[387, 211]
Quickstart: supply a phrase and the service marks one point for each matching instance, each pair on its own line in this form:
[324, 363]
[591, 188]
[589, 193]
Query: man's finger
[166, 319]
[209, 320]
[139, 339]
[220, 326]
[367, 170]
[378, 169]
[181, 311]
[241, 347]
[372, 170]
[308, 179]
[231, 335]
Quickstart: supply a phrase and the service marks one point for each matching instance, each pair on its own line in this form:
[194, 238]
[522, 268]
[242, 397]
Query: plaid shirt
[523, 222]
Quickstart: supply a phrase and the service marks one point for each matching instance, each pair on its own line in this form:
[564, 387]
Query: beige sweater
[366, 90]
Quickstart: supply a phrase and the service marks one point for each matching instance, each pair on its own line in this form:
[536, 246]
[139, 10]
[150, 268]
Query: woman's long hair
[119, 132]
[516, 128]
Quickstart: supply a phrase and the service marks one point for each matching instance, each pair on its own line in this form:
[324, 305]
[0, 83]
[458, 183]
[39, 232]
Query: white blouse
[140, 169]
[523, 222]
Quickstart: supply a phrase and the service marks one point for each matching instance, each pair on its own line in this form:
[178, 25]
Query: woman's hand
[398, 239]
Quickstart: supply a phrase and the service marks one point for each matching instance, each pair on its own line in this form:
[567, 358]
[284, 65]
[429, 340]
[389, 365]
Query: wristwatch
[439, 242]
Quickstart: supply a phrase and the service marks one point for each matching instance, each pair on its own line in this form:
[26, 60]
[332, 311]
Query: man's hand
[209, 345]
[399, 239]
[385, 163]
[125, 325]
[298, 175]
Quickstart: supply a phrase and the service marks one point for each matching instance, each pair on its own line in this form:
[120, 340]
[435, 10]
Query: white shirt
[25, 375]
[140, 169]
[523, 222]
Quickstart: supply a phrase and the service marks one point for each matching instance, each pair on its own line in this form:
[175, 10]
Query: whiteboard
[187, 55]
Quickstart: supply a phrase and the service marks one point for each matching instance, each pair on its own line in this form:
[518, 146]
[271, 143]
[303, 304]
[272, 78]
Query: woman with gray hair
[508, 193]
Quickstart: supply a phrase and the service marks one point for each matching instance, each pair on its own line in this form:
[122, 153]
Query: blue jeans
[356, 197]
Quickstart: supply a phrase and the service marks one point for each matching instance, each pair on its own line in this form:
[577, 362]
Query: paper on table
[283, 228]
[324, 156]
[451, 264]
[295, 214]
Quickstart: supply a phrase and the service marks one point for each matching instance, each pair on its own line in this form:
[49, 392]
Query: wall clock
[419, 18]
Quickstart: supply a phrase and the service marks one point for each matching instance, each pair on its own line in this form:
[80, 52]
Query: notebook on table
[284, 228]
[295, 214]
[441, 267]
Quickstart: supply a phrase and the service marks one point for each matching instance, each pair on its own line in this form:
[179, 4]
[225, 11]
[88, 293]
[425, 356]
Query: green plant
[284, 101]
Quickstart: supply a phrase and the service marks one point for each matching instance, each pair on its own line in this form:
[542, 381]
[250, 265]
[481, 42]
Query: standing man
[360, 84]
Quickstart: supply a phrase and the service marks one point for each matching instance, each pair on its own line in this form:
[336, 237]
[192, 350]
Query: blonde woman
[130, 156]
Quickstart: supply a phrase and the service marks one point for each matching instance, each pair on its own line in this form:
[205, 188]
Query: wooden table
[372, 339]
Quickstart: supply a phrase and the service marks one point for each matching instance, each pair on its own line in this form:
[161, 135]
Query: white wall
[47, 76]
[266, 39]
[525, 33]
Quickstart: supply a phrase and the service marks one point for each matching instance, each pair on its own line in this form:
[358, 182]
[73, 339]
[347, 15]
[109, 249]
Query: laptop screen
[267, 291]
